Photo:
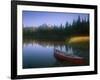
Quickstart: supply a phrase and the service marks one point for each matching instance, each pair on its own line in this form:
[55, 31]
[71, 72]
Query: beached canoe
[59, 55]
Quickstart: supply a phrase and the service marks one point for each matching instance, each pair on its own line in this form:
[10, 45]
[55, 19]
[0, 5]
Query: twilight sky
[37, 18]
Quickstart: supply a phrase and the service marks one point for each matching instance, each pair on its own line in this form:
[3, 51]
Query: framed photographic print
[53, 39]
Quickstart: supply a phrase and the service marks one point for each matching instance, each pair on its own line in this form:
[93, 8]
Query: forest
[79, 27]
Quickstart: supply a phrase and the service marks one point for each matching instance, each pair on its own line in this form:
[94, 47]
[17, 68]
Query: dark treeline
[77, 28]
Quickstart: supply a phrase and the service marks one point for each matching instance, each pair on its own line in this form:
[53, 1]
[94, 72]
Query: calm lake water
[40, 54]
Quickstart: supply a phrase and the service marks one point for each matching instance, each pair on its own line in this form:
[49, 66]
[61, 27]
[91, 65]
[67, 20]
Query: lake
[40, 54]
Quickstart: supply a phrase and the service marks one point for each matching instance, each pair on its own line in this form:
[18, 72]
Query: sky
[37, 18]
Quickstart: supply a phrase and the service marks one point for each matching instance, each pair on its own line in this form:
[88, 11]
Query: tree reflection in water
[49, 46]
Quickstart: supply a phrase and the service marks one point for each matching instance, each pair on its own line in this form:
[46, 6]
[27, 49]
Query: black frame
[14, 38]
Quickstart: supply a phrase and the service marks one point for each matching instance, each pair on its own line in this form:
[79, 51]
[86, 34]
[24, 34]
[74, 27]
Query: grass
[78, 39]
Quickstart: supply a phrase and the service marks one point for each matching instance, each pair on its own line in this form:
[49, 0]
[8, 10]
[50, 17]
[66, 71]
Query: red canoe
[68, 58]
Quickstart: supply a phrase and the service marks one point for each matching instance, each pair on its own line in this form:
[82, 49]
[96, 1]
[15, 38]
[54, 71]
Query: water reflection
[40, 53]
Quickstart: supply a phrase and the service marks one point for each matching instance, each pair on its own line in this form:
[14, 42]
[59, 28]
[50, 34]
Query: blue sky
[37, 18]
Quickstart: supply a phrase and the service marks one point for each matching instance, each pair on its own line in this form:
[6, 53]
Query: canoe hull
[68, 58]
